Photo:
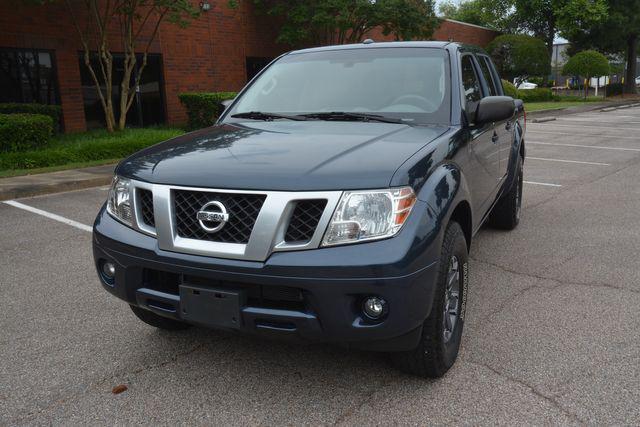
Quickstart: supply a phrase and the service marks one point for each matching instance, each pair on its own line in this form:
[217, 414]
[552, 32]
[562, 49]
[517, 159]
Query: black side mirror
[494, 109]
[225, 104]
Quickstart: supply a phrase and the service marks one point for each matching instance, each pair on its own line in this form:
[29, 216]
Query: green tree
[618, 34]
[134, 24]
[321, 22]
[543, 19]
[407, 19]
[492, 14]
[587, 64]
[518, 57]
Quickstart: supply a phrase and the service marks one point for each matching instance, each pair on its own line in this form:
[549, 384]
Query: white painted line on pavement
[584, 146]
[634, 138]
[592, 119]
[568, 161]
[553, 125]
[49, 215]
[546, 184]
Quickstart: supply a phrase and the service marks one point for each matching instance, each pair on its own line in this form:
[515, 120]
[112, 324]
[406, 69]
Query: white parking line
[49, 215]
[584, 146]
[568, 161]
[551, 124]
[592, 119]
[550, 132]
[546, 184]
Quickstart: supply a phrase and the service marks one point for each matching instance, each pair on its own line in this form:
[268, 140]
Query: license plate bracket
[218, 308]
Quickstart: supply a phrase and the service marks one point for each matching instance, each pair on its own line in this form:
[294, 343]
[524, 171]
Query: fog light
[374, 307]
[109, 270]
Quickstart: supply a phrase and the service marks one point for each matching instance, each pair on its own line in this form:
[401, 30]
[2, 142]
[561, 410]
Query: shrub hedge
[536, 95]
[20, 132]
[613, 89]
[204, 108]
[87, 147]
[53, 111]
[509, 89]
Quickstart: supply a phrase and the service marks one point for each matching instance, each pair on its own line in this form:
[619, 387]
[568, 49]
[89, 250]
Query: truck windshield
[407, 84]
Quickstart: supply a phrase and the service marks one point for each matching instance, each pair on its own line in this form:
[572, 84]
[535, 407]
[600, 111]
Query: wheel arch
[462, 215]
[517, 150]
[447, 193]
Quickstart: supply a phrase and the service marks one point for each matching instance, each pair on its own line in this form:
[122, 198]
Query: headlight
[119, 202]
[369, 215]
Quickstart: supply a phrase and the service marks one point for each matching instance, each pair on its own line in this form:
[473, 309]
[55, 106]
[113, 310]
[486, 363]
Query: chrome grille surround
[267, 236]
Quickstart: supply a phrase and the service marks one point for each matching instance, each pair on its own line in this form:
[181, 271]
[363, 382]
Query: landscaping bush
[509, 89]
[536, 95]
[540, 81]
[53, 111]
[87, 147]
[204, 108]
[613, 89]
[20, 132]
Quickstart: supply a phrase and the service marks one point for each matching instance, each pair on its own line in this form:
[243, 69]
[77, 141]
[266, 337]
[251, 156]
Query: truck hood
[282, 155]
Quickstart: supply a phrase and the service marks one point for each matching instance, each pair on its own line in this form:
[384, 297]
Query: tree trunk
[632, 59]
[587, 86]
[125, 89]
[549, 42]
[109, 117]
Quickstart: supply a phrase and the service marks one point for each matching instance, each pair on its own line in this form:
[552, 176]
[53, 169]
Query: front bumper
[312, 295]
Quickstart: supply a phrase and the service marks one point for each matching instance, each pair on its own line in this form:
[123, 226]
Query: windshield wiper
[259, 115]
[344, 116]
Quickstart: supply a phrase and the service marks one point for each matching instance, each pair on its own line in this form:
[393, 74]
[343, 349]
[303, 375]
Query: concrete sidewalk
[55, 182]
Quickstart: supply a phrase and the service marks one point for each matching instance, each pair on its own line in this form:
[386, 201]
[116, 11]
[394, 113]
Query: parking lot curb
[55, 182]
[603, 107]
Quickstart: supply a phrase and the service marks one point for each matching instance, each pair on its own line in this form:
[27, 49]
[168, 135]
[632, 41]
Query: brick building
[40, 59]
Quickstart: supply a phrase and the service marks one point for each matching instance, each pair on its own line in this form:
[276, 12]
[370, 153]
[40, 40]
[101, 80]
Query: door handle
[495, 137]
[508, 125]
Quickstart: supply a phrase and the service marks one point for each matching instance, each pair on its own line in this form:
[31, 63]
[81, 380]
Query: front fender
[444, 189]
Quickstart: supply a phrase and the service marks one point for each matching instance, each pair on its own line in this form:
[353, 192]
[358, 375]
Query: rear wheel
[157, 321]
[442, 331]
[506, 213]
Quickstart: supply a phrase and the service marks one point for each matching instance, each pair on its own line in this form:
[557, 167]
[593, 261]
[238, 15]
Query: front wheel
[442, 331]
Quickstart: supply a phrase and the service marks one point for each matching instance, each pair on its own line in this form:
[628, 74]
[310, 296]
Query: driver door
[484, 151]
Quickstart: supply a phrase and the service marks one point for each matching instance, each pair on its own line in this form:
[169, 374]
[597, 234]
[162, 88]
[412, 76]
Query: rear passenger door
[484, 155]
[503, 131]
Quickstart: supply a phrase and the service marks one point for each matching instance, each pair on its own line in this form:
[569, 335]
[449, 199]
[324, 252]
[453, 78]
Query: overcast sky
[439, 2]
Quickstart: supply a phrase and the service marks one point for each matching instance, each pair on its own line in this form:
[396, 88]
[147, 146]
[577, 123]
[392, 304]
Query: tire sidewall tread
[432, 358]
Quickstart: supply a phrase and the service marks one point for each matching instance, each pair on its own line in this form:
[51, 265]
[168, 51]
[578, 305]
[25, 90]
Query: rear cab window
[489, 76]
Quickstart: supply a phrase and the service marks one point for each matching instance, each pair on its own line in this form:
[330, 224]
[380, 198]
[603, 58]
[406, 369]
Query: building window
[148, 107]
[28, 75]
[255, 65]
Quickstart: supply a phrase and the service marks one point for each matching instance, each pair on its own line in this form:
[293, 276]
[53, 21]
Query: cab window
[485, 67]
[471, 85]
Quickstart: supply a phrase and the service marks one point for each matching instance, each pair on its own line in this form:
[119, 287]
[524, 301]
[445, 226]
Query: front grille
[145, 198]
[243, 210]
[304, 220]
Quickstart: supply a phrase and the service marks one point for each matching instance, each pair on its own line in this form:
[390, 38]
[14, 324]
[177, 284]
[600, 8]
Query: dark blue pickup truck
[334, 201]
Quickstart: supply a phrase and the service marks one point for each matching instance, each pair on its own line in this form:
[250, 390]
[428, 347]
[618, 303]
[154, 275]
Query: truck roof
[430, 44]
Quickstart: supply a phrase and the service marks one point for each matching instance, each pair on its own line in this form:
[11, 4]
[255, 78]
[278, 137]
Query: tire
[157, 321]
[506, 213]
[440, 342]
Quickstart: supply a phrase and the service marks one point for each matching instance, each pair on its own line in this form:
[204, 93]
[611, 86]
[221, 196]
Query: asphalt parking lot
[551, 337]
